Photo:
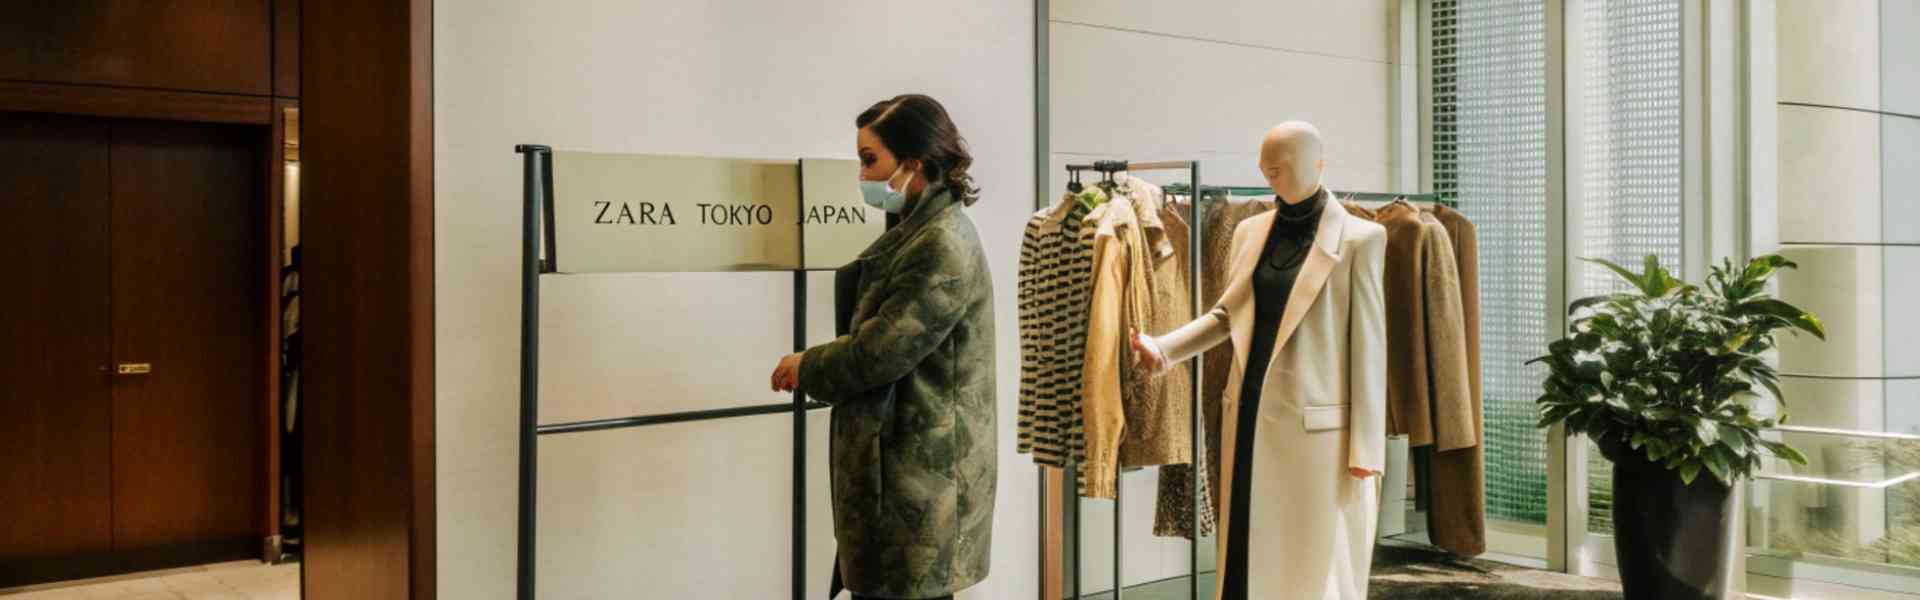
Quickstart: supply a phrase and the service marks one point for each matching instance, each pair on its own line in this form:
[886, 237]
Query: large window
[1490, 154]
[1627, 76]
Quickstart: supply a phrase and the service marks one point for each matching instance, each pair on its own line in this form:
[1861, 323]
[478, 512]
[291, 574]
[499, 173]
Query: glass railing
[1850, 515]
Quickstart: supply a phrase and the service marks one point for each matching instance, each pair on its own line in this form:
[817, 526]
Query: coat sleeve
[1100, 407]
[1366, 357]
[1447, 360]
[1197, 336]
[923, 300]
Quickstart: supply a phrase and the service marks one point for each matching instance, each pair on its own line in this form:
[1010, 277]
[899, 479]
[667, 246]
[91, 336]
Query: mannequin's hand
[1145, 354]
[786, 375]
[1359, 473]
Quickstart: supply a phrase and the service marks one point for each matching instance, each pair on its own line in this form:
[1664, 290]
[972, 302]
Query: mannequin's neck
[1300, 196]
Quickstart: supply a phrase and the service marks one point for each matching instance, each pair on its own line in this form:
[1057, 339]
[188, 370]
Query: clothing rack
[1071, 512]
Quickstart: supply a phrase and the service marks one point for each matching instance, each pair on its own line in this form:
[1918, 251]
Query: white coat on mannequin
[1322, 411]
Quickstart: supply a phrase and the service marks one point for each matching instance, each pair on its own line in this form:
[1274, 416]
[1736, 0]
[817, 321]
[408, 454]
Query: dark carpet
[1401, 573]
[1407, 573]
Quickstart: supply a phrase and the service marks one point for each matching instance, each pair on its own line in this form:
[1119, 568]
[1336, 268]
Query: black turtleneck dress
[1288, 243]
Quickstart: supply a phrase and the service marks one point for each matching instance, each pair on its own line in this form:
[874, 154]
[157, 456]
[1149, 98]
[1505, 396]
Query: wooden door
[55, 405]
[186, 290]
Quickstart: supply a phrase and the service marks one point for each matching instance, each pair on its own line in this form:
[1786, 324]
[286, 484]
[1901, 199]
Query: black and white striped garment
[1031, 338]
[1056, 272]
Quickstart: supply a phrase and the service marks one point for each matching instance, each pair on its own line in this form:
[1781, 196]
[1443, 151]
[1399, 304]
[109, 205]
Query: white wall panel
[1900, 177]
[757, 78]
[1829, 175]
[1842, 286]
[1120, 93]
[1900, 56]
[1900, 270]
[1830, 52]
[1903, 406]
[1343, 28]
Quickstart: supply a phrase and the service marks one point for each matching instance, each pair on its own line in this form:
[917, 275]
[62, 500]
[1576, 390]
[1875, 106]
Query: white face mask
[881, 195]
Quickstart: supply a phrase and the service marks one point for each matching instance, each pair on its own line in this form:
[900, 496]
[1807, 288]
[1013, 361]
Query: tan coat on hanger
[1322, 410]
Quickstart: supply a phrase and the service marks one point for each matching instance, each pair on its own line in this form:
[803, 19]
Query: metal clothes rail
[1195, 233]
[1195, 242]
[1343, 194]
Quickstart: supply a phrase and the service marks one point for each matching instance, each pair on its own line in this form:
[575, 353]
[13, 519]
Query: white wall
[699, 510]
[1204, 80]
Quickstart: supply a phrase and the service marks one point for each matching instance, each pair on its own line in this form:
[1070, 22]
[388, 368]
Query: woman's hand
[1359, 473]
[1146, 354]
[786, 375]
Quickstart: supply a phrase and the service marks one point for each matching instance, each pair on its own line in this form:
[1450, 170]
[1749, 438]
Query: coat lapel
[1238, 298]
[1313, 274]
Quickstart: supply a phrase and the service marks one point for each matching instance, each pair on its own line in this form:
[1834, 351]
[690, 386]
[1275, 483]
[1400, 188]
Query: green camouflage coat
[913, 455]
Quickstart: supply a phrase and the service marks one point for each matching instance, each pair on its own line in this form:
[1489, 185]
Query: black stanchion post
[1194, 245]
[535, 191]
[800, 404]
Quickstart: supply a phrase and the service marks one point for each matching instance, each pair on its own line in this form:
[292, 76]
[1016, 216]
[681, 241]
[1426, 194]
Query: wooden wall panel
[220, 46]
[134, 103]
[367, 250]
[286, 48]
[55, 403]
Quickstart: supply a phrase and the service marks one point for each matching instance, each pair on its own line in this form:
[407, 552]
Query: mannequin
[1304, 412]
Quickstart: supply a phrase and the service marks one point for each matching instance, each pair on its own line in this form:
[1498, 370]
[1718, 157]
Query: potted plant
[1660, 378]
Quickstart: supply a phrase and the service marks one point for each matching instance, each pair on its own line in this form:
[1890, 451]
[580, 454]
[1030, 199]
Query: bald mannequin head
[1290, 157]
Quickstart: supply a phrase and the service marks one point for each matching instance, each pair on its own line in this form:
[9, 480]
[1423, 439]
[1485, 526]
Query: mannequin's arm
[1195, 337]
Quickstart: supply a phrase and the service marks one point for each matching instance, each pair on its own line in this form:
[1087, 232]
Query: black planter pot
[1673, 541]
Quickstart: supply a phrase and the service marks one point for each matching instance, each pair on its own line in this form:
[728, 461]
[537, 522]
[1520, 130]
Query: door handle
[134, 368]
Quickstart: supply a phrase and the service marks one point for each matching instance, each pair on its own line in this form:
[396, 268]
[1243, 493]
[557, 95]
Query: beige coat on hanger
[1322, 410]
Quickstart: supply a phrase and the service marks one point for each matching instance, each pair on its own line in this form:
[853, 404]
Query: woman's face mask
[882, 195]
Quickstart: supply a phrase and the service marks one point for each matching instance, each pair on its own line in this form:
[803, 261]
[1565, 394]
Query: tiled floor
[248, 580]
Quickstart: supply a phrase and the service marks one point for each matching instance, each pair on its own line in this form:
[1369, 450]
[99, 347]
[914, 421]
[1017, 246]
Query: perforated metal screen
[1490, 153]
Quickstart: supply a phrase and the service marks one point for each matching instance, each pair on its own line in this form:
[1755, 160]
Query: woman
[1304, 421]
[912, 376]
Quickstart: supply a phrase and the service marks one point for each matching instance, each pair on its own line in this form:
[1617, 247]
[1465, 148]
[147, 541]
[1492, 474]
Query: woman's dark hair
[916, 127]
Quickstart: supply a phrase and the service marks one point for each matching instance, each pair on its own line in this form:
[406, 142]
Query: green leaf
[1774, 388]
[1791, 314]
[1655, 277]
[1734, 344]
[1585, 302]
[1737, 465]
[1689, 470]
[1718, 466]
[1788, 453]
[1762, 267]
[1734, 438]
[1630, 276]
[1706, 431]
